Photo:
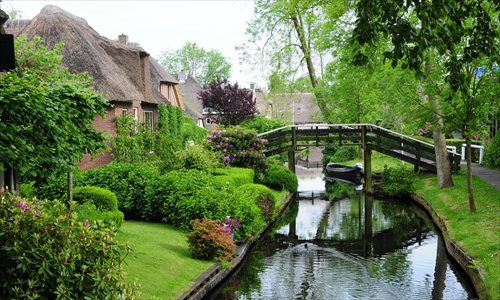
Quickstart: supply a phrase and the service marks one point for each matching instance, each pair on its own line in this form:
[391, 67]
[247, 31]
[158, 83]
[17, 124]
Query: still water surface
[340, 244]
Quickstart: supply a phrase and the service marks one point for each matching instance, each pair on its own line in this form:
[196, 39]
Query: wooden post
[417, 157]
[291, 160]
[368, 170]
[70, 186]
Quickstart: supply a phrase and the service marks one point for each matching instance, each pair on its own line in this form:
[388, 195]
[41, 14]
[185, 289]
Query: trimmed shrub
[248, 213]
[181, 196]
[262, 196]
[88, 211]
[238, 176]
[192, 132]
[128, 182]
[104, 200]
[56, 186]
[198, 158]
[208, 240]
[398, 181]
[279, 177]
[54, 256]
[492, 155]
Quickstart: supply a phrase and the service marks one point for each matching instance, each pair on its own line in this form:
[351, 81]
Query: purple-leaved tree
[228, 104]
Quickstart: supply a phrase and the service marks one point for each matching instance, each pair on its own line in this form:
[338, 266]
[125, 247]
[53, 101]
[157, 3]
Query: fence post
[417, 157]
[291, 152]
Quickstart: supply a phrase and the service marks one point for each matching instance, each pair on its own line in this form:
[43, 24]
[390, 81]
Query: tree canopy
[204, 65]
[227, 103]
[46, 113]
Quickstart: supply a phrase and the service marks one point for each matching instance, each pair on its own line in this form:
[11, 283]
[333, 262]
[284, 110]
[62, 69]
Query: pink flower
[24, 206]
[86, 223]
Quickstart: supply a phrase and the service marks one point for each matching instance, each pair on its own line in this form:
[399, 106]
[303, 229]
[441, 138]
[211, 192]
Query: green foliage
[27, 190]
[181, 196]
[56, 257]
[236, 176]
[279, 177]
[208, 240]
[128, 181]
[88, 211]
[204, 65]
[339, 154]
[398, 181]
[492, 155]
[262, 196]
[193, 132]
[46, 113]
[56, 186]
[238, 147]
[104, 200]
[262, 124]
[244, 208]
[198, 158]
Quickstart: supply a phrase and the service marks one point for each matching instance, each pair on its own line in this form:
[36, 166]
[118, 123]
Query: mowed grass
[160, 261]
[379, 160]
[478, 234]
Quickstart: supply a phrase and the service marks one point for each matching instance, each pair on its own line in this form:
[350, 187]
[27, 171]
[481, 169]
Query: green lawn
[378, 162]
[478, 234]
[160, 261]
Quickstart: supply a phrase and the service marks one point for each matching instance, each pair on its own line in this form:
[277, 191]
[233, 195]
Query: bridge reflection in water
[343, 245]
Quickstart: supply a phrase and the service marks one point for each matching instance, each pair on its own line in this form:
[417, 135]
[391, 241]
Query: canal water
[334, 242]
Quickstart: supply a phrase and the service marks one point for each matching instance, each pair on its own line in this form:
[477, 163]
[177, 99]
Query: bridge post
[291, 152]
[368, 169]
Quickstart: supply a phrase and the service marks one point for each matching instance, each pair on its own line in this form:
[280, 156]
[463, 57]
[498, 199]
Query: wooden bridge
[370, 137]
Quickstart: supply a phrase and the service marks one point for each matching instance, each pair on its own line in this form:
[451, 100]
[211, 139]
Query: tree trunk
[470, 192]
[70, 186]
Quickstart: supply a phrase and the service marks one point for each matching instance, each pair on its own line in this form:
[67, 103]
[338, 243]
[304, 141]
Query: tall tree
[46, 113]
[204, 65]
[462, 34]
[227, 103]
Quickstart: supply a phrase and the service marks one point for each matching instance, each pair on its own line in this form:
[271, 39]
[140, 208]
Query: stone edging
[215, 275]
[453, 249]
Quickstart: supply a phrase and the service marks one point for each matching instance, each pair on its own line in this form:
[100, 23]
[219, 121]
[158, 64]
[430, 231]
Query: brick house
[132, 81]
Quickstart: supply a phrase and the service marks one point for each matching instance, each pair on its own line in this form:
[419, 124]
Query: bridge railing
[296, 137]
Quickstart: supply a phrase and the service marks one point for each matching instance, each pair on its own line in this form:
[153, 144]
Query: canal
[335, 242]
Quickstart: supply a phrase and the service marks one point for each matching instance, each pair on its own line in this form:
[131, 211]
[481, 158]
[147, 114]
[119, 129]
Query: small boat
[339, 170]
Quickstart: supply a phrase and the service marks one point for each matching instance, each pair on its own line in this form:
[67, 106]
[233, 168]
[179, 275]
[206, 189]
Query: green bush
[181, 196]
[208, 240]
[56, 186]
[339, 154]
[279, 177]
[27, 190]
[193, 132]
[263, 124]
[492, 155]
[198, 158]
[128, 182]
[262, 196]
[104, 200]
[238, 176]
[398, 181]
[248, 213]
[88, 211]
[56, 257]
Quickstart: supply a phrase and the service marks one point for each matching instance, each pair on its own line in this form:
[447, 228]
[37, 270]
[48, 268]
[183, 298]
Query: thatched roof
[15, 26]
[189, 88]
[115, 67]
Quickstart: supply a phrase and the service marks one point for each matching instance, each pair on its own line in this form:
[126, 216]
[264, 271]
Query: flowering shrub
[238, 147]
[230, 225]
[46, 253]
[208, 240]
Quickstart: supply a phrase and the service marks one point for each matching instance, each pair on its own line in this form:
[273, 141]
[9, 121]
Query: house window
[148, 119]
[136, 116]
[124, 112]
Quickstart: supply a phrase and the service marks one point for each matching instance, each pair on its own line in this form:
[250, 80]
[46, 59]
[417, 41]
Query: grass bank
[478, 234]
[160, 261]
[379, 160]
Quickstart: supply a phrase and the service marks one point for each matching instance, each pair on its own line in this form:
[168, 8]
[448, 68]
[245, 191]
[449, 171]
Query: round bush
[104, 200]
[492, 155]
[181, 196]
[70, 259]
[398, 181]
[88, 211]
[208, 240]
[198, 158]
[248, 213]
[279, 177]
[262, 196]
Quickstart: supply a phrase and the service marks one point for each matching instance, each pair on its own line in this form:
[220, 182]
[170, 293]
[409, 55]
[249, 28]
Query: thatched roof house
[129, 77]
[189, 88]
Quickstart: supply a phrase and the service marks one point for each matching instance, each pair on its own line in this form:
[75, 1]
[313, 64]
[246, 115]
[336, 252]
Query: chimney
[182, 77]
[123, 39]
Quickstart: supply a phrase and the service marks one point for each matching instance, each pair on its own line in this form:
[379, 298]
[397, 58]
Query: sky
[163, 24]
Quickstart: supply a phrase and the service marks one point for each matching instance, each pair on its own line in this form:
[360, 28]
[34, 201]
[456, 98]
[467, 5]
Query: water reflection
[354, 247]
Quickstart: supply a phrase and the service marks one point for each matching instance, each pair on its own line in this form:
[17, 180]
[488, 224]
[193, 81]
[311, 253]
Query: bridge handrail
[354, 126]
